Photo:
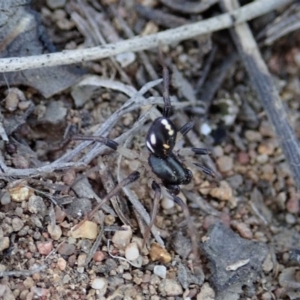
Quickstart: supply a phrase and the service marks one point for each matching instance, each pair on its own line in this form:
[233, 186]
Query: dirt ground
[244, 219]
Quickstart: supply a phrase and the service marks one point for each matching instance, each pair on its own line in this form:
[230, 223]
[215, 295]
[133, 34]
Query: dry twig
[227, 20]
[263, 84]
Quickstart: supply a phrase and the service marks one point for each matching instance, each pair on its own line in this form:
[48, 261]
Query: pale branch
[167, 37]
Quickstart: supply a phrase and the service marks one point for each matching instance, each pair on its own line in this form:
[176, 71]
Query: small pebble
[171, 287]
[109, 220]
[54, 4]
[287, 278]
[122, 238]
[292, 205]
[28, 283]
[253, 136]
[266, 129]
[20, 193]
[268, 264]
[87, 230]
[266, 148]
[244, 230]
[36, 205]
[132, 251]
[20, 162]
[69, 177]
[127, 276]
[17, 224]
[44, 248]
[222, 192]
[267, 296]
[4, 243]
[5, 199]
[66, 279]
[59, 214]
[99, 284]
[262, 158]
[243, 158]
[99, 256]
[167, 203]
[54, 231]
[66, 249]
[81, 260]
[225, 163]
[290, 219]
[157, 253]
[13, 96]
[160, 271]
[206, 293]
[205, 129]
[61, 264]
[218, 151]
[125, 59]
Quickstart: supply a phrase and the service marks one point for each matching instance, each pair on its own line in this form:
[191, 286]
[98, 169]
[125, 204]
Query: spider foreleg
[206, 170]
[157, 194]
[131, 154]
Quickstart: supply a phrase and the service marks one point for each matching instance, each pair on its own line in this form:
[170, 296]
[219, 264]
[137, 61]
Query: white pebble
[100, 284]
[122, 238]
[125, 59]
[132, 252]
[160, 271]
[205, 129]
[167, 203]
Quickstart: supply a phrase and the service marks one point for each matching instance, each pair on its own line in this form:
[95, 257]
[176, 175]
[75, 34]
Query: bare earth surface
[246, 220]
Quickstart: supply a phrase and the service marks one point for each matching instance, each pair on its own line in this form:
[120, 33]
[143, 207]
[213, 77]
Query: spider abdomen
[170, 170]
[161, 137]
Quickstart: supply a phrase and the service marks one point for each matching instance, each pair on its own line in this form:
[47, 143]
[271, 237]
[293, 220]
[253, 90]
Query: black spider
[164, 163]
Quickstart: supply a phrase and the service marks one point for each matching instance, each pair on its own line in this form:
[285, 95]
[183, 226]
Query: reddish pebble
[66, 249]
[208, 221]
[225, 219]
[72, 260]
[59, 214]
[243, 158]
[292, 204]
[44, 248]
[99, 256]
[244, 230]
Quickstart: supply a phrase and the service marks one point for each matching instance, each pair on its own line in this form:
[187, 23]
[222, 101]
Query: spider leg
[202, 151]
[194, 151]
[206, 170]
[131, 178]
[157, 194]
[186, 128]
[109, 143]
[191, 227]
[166, 83]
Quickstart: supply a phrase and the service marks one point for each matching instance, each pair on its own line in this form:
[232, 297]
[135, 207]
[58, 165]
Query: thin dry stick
[108, 183]
[243, 14]
[24, 272]
[263, 84]
[11, 172]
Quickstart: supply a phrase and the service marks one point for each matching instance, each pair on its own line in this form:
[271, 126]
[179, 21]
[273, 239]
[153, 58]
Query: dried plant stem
[25, 273]
[266, 90]
[227, 20]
